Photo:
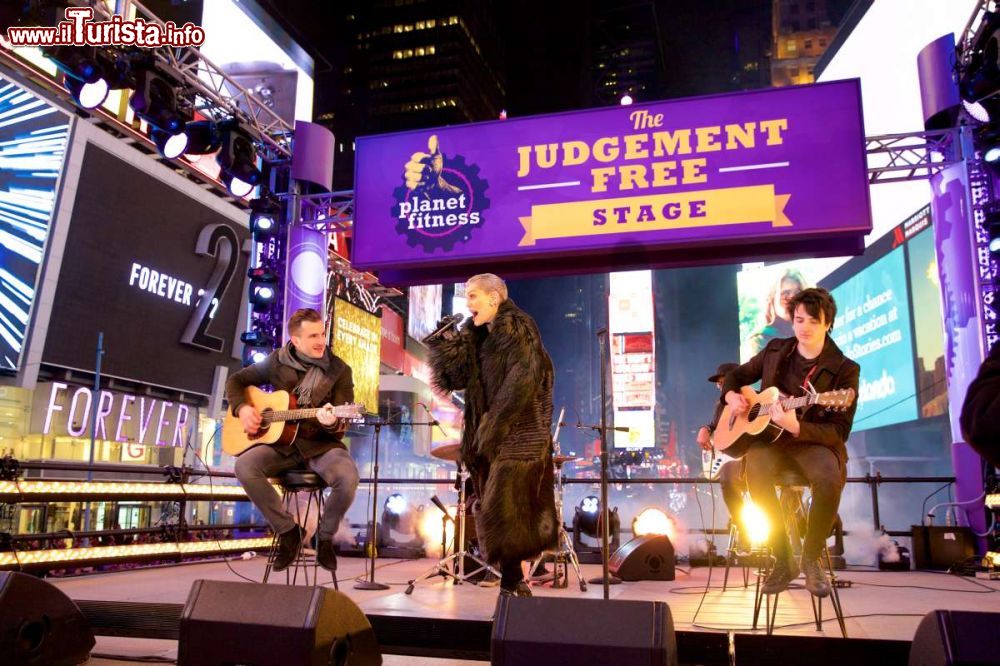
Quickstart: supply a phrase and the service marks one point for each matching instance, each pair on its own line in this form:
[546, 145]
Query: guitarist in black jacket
[306, 367]
[812, 443]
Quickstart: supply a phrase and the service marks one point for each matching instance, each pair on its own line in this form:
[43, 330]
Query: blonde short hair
[488, 282]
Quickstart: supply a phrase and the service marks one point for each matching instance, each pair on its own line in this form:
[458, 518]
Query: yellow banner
[357, 340]
[708, 208]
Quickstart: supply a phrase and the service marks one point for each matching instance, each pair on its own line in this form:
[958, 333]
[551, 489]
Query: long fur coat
[506, 441]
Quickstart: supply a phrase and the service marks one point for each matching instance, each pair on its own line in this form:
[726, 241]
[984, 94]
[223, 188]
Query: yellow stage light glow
[654, 521]
[755, 524]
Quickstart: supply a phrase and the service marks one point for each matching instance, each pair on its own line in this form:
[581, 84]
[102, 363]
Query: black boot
[289, 544]
[325, 555]
[816, 580]
[783, 573]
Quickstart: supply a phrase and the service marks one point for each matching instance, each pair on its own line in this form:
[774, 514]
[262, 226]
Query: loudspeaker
[941, 547]
[39, 625]
[649, 557]
[582, 632]
[956, 638]
[263, 625]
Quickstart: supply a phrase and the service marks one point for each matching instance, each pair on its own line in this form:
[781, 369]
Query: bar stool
[792, 488]
[292, 483]
[758, 556]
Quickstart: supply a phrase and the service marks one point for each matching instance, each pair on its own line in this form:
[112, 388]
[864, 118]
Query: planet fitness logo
[442, 200]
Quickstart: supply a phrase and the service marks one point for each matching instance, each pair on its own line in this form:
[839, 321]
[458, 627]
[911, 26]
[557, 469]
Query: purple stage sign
[755, 174]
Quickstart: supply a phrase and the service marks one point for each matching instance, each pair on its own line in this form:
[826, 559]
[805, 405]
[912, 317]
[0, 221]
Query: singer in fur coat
[498, 359]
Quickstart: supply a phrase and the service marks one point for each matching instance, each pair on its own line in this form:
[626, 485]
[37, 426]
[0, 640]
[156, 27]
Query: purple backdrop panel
[770, 167]
[312, 154]
[305, 278]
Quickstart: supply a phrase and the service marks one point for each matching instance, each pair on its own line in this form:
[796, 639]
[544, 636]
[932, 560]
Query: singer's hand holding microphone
[447, 328]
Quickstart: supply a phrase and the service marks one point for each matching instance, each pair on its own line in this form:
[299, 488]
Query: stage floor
[877, 605]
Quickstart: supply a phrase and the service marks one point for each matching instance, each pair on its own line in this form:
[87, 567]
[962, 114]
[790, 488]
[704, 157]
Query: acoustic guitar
[735, 432]
[279, 420]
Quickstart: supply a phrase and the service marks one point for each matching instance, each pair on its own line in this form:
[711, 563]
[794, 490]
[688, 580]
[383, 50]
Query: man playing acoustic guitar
[812, 443]
[306, 367]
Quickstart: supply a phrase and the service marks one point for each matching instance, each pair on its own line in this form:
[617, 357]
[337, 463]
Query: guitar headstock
[351, 411]
[838, 400]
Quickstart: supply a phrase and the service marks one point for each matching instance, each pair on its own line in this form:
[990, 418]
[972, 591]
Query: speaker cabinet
[956, 638]
[39, 625]
[941, 547]
[273, 625]
[582, 632]
[648, 557]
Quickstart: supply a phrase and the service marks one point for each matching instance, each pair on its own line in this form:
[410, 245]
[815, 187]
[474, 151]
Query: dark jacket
[506, 440]
[313, 438]
[818, 425]
[981, 409]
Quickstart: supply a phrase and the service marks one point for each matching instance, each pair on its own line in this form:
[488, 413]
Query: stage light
[981, 78]
[993, 500]
[87, 95]
[155, 101]
[754, 523]
[170, 145]
[626, 100]
[653, 521]
[263, 288]
[436, 528]
[203, 137]
[265, 216]
[79, 62]
[587, 519]
[237, 160]
[396, 504]
[252, 355]
[992, 225]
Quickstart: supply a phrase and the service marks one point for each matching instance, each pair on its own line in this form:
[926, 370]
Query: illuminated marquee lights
[27, 558]
[22, 491]
[33, 137]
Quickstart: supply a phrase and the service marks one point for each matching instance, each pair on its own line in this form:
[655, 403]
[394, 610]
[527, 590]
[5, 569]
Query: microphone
[601, 332]
[446, 324]
[434, 421]
[440, 505]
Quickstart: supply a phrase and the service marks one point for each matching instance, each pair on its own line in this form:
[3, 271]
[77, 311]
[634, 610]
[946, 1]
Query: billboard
[356, 340]
[675, 181]
[633, 361]
[33, 136]
[160, 274]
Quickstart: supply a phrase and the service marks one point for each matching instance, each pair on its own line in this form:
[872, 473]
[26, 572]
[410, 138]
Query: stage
[440, 622]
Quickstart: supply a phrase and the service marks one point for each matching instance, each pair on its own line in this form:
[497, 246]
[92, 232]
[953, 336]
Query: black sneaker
[325, 556]
[816, 580]
[289, 544]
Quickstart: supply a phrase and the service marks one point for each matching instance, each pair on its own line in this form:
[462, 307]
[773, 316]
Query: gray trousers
[257, 465]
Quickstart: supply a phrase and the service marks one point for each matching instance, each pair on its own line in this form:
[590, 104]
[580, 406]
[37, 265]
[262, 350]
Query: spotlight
[265, 216]
[87, 95]
[155, 101]
[257, 339]
[653, 521]
[253, 355]
[237, 160]
[626, 100]
[170, 145]
[587, 522]
[263, 288]
[203, 137]
[399, 519]
[754, 524]
[994, 231]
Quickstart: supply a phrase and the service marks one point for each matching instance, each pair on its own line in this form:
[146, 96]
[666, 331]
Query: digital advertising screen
[357, 338]
[873, 328]
[33, 136]
[160, 274]
[424, 310]
[633, 358]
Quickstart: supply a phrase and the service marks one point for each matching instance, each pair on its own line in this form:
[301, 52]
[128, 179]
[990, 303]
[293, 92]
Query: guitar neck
[292, 414]
[795, 403]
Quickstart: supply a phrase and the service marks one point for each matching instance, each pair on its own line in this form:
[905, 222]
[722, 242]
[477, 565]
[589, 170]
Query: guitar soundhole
[265, 425]
[754, 412]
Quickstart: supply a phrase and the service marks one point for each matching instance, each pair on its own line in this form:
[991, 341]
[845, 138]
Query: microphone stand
[370, 584]
[606, 578]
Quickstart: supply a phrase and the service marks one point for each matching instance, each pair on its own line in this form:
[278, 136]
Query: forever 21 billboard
[159, 273]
